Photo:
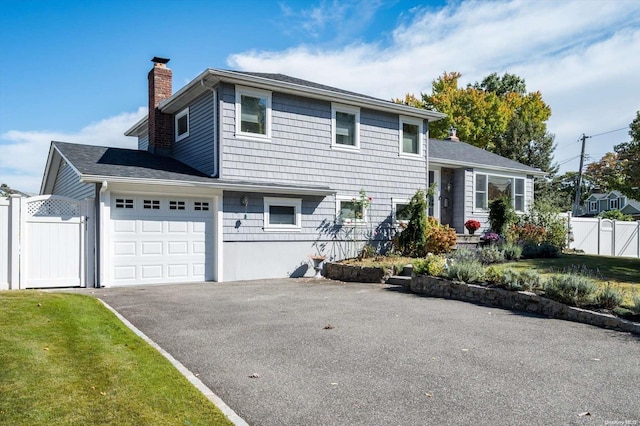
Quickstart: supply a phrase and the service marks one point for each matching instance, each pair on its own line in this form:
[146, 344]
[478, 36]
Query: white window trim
[593, 206]
[365, 211]
[486, 191]
[611, 202]
[394, 203]
[256, 93]
[415, 122]
[296, 203]
[347, 109]
[178, 117]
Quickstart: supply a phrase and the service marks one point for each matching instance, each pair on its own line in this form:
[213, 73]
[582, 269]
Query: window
[348, 210]
[124, 203]
[151, 204]
[401, 212]
[593, 206]
[490, 188]
[410, 136]
[182, 124]
[345, 124]
[201, 206]
[253, 113]
[282, 214]
[614, 204]
[176, 205]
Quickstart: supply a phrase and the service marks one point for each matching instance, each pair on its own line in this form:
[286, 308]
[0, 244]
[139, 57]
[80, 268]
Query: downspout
[216, 127]
[98, 235]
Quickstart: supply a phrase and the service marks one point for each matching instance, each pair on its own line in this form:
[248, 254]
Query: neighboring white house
[243, 175]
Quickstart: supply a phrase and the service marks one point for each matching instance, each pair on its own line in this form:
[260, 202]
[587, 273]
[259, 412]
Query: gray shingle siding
[143, 142]
[300, 152]
[68, 183]
[198, 149]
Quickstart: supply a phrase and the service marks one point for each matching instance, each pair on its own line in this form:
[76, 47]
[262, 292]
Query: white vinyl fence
[45, 242]
[605, 237]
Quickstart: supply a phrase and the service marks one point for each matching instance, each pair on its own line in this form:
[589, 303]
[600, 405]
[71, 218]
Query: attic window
[182, 124]
[151, 204]
[200, 206]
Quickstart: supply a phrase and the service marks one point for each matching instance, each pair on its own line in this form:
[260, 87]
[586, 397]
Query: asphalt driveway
[329, 353]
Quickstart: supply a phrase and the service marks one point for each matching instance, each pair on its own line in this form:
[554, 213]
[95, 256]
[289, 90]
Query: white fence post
[15, 218]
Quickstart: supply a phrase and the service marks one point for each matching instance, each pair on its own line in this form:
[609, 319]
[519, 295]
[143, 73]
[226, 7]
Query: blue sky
[76, 71]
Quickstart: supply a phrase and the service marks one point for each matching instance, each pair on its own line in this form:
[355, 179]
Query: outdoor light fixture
[245, 201]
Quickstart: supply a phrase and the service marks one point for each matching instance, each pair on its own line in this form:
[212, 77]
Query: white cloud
[23, 154]
[583, 56]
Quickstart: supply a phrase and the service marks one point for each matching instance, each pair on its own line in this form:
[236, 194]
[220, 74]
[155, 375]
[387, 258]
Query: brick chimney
[452, 135]
[160, 124]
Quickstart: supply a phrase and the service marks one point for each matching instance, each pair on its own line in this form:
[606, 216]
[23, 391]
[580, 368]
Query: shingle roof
[101, 161]
[461, 152]
[293, 80]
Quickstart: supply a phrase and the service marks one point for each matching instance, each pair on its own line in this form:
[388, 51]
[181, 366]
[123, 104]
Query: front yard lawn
[65, 359]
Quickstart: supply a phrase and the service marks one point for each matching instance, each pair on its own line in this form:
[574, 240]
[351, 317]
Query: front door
[446, 197]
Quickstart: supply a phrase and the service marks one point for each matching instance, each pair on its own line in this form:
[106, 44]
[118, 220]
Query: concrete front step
[399, 280]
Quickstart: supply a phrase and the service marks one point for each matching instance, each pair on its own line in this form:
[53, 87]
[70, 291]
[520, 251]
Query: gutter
[447, 162]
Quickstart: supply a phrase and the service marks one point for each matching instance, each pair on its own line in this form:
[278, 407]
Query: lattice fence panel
[53, 207]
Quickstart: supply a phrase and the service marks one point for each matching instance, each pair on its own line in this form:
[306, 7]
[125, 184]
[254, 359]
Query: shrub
[616, 214]
[636, 304]
[609, 297]
[512, 251]
[464, 255]
[545, 250]
[501, 215]
[572, 289]
[434, 266]
[413, 238]
[526, 234]
[546, 215]
[512, 279]
[488, 255]
[439, 238]
[493, 275]
[469, 272]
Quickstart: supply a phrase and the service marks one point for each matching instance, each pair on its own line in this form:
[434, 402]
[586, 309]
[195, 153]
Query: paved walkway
[327, 353]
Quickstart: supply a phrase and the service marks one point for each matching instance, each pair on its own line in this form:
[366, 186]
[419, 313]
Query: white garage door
[161, 239]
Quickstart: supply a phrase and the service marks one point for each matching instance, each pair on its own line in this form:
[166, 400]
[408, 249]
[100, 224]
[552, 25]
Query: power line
[606, 133]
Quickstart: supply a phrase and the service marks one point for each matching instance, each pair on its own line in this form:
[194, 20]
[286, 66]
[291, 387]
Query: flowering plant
[361, 204]
[491, 237]
[472, 225]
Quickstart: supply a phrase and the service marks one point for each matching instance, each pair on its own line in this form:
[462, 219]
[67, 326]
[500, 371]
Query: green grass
[619, 271]
[65, 359]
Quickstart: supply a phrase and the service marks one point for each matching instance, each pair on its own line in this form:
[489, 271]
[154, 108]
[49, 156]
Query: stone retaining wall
[516, 300]
[352, 273]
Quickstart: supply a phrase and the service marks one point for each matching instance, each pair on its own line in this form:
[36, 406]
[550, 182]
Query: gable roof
[95, 164]
[466, 155]
[632, 207]
[281, 83]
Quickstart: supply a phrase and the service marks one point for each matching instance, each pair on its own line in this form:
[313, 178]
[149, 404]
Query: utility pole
[576, 203]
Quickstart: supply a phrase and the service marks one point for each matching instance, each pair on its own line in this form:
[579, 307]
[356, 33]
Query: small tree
[501, 215]
[413, 238]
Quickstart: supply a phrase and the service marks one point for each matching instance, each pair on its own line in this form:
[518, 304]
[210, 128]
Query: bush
[609, 297]
[526, 234]
[468, 272]
[434, 266]
[493, 275]
[616, 214]
[572, 289]
[464, 255]
[439, 238]
[488, 255]
[501, 215]
[412, 240]
[547, 216]
[636, 304]
[527, 280]
[545, 250]
[512, 251]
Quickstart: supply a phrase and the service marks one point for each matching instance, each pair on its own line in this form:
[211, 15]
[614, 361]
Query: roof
[632, 206]
[281, 83]
[96, 164]
[466, 155]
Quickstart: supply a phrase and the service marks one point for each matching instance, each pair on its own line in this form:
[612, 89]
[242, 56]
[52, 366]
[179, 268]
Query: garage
[160, 239]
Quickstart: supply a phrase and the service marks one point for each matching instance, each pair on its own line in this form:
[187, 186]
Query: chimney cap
[159, 60]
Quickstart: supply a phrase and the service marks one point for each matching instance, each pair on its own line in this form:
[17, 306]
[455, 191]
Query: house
[242, 175]
[632, 207]
[601, 202]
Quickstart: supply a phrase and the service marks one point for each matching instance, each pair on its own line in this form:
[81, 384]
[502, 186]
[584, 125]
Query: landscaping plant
[432, 265]
[571, 289]
[439, 238]
[501, 215]
[609, 297]
[491, 254]
[412, 239]
[512, 251]
[468, 272]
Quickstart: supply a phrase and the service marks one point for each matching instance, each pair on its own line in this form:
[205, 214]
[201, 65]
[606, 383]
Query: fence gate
[52, 241]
